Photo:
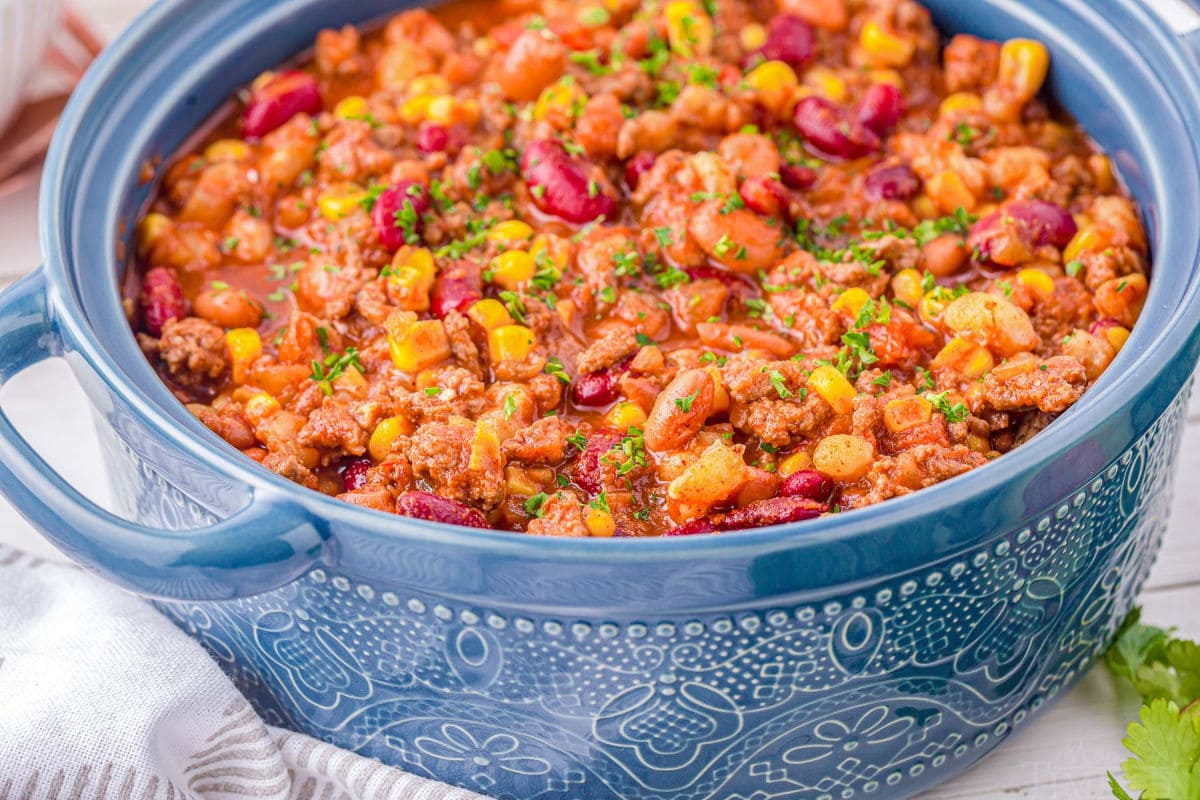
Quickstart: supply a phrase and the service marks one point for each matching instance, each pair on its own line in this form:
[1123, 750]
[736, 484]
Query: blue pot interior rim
[90, 314]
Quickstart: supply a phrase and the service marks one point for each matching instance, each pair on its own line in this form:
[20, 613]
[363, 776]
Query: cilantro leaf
[1166, 751]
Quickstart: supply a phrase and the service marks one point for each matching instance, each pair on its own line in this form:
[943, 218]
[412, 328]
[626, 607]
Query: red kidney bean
[766, 196]
[588, 473]
[775, 511]
[595, 389]
[600, 388]
[881, 107]
[161, 300]
[390, 203]
[560, 185]
[458, 288]
[1101, 325]
[433, 138]
[831, 132]
[1033, 222]
[789, 39]
[638, 166]
[897, 182]
[432, 507]
[354, 475]
[808, 484]
[797, 177]
[696, 526]
[283, 97]
[1047, 223]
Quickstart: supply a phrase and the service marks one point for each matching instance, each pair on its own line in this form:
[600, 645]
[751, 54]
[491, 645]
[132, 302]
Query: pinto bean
[534, 62]
[1122, 298]
[740, 240]
[1094, 352]
[945, 255]
[229, 308]
[1000, 325]
[680, 411]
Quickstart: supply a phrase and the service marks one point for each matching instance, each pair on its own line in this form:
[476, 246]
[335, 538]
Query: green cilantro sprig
[1165, 741]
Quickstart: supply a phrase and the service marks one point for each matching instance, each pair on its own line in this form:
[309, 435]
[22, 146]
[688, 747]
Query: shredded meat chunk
[193, 350]
[1051, 386]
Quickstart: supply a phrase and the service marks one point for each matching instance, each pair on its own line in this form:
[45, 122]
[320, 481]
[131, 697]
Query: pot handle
[267, 544]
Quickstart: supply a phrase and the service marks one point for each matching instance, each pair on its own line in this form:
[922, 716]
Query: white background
[1060, 756]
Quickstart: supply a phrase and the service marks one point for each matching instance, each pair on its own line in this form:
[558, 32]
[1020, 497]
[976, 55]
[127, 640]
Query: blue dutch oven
[877, 652]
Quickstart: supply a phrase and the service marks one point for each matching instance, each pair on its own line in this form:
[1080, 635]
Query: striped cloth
[101, 697]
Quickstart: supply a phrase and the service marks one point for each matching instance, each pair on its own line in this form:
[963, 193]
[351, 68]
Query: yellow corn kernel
[549, 250]
[852, 301]
[933, 303]
[1023, 67]
[1092, 239]
[906, 287]
[907, 413]
[888, 76]
[416, 108]
[623, 416]
[1117, 336]
[385, 433]
[562, 97]
[489, 314]
[485, 448]
[442, 110]
[259, 407]
[772, 76]
[342, 200]
[417, 258]
[794, 463]
[409, 289]
[151, 230]
[827, 82]
[833, 388]
[353, 107]
[410, 278]
[600, 523]
[752, 37]
[886, 48]
[512, 232]
[689, 29]
[519, 483]
[245, 346]
[961, 103]
[720, 393]
[964, 356]
[512, 269]
[1102, 170]
[510, 343]
[925, 207]
[950, 193]
[775, 84]
[1036, 281]
[418, 345]
[227, 150]
[430, 85]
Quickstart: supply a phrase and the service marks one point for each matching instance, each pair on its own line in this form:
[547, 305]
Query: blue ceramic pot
[875, 653]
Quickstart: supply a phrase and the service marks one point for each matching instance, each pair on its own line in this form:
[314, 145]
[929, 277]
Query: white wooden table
[1062, 756]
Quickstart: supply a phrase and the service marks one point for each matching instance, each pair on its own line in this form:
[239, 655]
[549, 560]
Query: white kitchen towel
[102, 697]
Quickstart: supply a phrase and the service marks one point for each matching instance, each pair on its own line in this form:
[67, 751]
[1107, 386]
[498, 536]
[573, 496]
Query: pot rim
[1132, 375]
